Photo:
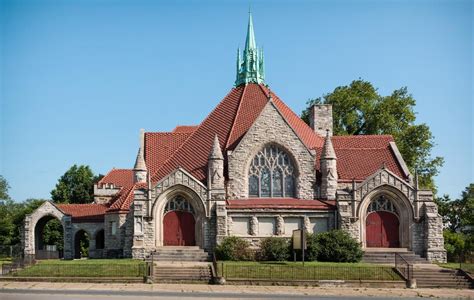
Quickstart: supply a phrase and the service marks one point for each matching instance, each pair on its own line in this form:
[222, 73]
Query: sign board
[299, 239]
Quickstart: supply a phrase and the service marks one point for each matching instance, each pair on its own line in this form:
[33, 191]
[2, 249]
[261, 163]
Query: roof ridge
[235, 118]
[362, 135]
[193, 133]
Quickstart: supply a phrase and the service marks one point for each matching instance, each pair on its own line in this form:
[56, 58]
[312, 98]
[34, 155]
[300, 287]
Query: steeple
[250, 68]
[140, 170]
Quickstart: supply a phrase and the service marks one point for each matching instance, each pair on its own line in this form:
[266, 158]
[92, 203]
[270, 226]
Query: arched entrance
[49, 238]
[81, 244]
[382, 224]
[179, 223]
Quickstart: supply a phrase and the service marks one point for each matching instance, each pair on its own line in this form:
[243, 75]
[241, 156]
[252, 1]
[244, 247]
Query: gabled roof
[230, 120]
[118, 177]
[360, 156]
[159, 146]
[185, 128]
[84, 212]
[124, 198]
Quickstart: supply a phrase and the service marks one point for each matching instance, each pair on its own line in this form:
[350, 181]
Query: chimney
[320, 119]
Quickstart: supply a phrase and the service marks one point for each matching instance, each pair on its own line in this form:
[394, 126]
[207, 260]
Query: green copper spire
[250, 68]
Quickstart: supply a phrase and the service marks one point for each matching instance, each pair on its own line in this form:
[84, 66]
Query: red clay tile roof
[118, 177]
[84, 212]
[124, 198]
[185, 128]
[159, 146]
[230, 120]
[360, 156]
[281, 203]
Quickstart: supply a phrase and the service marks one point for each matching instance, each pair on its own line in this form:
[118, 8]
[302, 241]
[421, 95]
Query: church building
[251, 169]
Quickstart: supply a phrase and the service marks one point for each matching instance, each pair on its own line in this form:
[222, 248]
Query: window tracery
[271, 174]
[179, 203]
[382, 203]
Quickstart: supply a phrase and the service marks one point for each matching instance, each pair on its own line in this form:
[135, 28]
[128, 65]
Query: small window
[113, 227]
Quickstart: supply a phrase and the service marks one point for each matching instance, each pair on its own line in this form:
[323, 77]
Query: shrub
[337, 246]
[233, 248]
[274, 249]
[455, 245]
[312, 247]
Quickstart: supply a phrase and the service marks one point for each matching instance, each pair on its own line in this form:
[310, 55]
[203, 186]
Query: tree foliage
[75, 186]
[458, 214]
[359, 109]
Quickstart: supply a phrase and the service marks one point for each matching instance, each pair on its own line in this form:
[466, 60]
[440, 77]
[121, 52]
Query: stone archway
[400, 208]
[81, 242]
[34, 223]
[199, 213]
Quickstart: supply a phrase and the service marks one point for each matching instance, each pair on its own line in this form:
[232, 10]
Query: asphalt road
[129, 295]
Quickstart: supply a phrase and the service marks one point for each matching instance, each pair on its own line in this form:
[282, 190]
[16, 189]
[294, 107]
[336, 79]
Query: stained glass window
[271, 174]
[382, 204]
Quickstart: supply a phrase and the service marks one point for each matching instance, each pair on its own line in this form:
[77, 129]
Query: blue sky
[80, 78]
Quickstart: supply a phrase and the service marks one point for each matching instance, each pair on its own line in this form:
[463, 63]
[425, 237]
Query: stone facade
[320, 119]
[270, 128]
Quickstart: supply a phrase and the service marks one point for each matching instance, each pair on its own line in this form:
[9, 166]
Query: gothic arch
[291, 155]
[403, 208]
[158, 212]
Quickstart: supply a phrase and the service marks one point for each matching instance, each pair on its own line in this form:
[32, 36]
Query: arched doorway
[81, 244]
[49, 238]
[179, 223]
[382, 224]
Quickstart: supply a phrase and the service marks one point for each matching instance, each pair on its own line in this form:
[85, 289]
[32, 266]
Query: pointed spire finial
[328, 149]
[216, 152]
[140, 161]
[251, 69]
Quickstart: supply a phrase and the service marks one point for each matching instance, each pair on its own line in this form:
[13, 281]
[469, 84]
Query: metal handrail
[214, 266]
[409, 267]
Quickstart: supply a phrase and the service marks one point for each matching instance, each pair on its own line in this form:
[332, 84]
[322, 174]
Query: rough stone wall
[114, 244]
[91, 229]
[255, 234]
[270, 128]
[320, 119]
[433, 233]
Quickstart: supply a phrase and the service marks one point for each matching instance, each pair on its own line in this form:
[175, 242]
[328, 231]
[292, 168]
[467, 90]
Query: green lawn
[85, 268]
[311, 271]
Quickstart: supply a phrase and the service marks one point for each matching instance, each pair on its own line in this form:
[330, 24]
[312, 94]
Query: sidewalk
[236, 289]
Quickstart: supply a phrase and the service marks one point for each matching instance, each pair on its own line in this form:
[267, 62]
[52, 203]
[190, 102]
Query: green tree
[359, 109]
[4, 187]
[458, 214]
[75, 186]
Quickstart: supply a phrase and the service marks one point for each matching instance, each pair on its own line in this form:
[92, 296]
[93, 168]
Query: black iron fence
[403, 267]
[284, 272]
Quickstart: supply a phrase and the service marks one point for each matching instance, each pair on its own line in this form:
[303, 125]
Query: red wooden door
[178, 229]
[382, 230]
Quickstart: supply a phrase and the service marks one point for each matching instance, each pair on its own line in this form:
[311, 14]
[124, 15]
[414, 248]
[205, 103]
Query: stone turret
[215, 178]
[328, 170]
[140, 170]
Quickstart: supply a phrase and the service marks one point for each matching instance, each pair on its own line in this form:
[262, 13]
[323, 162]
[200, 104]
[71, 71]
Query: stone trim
[400, 159]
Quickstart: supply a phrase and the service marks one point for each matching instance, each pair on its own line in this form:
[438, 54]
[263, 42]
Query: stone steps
[182, 273]
[388, 257]
[440, 278]
[189, 253]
